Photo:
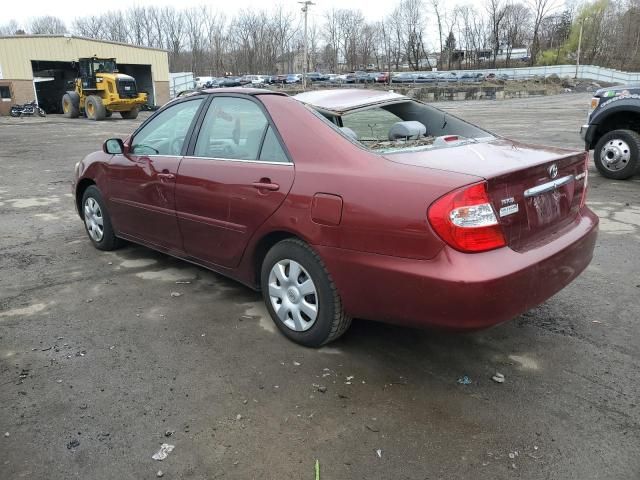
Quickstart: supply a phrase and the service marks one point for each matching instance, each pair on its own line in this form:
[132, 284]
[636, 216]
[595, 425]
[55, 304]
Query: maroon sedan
[346, 203]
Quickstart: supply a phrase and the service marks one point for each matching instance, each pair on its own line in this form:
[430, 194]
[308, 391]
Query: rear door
[142, 181]
[236, 176]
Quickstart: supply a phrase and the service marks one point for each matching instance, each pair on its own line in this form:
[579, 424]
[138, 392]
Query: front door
[142, 181]
[237, 176]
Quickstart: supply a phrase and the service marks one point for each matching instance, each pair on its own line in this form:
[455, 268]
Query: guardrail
[585, 72]
[179, 82]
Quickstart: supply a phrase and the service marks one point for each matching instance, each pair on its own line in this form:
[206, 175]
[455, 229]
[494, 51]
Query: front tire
[130, 115]
[97, 222]
[94, 108]
[71, 105]
[300, 295]
[617, 154]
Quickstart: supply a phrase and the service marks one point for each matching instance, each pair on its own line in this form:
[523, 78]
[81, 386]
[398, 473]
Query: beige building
[41, 66]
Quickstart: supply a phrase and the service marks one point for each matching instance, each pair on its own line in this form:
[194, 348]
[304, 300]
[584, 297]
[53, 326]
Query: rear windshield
[402, 126]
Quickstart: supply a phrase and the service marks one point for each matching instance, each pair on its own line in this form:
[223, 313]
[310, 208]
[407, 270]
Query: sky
[23, 10]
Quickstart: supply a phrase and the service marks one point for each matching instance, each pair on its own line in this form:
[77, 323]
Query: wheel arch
[263, 245]
[80, 189]
[618, 119]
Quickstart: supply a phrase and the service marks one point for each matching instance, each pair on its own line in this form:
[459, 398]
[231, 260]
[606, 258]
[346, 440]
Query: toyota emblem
[553, 171]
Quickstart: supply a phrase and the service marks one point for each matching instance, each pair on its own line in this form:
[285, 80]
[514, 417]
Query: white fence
[587, 72]
[180, 81]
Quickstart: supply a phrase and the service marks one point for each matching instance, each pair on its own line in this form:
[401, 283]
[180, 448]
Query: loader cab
[90, 67]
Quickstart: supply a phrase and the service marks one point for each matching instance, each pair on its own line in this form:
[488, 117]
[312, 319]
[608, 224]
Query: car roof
[341, 100]
[244, 90]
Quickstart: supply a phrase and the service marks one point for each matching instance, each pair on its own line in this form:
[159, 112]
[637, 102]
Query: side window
[371, 124]
[233, 128]
[166, 133]
[271, 149]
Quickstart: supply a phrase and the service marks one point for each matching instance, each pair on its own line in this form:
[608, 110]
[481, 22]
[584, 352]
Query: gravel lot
[98, 360]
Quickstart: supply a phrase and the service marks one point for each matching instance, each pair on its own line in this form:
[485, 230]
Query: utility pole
[579, 46]
[305, 9]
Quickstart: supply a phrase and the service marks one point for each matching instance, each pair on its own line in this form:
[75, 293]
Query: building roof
[18, 37]
[341, 100]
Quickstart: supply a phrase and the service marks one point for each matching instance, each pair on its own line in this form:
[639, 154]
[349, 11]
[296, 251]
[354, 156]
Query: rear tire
[617, 154]
[97, 222]
[94, 108]
[130, 115]
[71, 105]
[310, 314]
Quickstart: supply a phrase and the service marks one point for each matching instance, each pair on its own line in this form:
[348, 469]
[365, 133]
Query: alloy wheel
[293, 295]
[615, 154]
[93, 219]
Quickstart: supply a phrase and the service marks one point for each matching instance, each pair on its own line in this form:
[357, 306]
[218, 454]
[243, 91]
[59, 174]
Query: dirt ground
[100, 364]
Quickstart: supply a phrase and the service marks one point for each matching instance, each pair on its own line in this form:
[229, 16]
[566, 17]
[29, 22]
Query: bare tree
[515, 28]
[540, 8]
[47, 25]
[9, 28]
[497, 12]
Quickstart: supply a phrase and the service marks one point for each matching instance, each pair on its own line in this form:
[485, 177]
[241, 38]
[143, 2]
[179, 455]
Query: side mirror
[113, 146]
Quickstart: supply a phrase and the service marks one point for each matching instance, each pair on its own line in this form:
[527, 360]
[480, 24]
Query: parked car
[362, 77]
[471, 77]
[317, 77]
[294, 78]
[451, 226]
[613, 131]
[229, 82]
[403, 78]
[282, 78]
[496, 76]
[382, 77]
[425, 77]
[446, 77]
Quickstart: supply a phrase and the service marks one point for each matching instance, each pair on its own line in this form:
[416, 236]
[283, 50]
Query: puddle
[167, 275]
[258, 309]
[33, 202]
[30, 310]
[525, 362]
[142, 262]
[47, 217]
[330, 351]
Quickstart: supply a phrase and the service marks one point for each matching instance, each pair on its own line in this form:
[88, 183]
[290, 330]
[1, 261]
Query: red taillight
[466, 221]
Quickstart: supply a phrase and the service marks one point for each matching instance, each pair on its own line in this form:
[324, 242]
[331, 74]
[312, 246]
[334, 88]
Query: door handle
[266, 186]
[167, 176]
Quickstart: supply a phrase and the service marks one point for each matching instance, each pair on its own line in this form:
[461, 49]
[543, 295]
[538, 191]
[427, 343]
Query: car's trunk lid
[535, 191]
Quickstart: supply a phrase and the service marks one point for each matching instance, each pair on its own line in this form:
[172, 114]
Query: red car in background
[346, 203]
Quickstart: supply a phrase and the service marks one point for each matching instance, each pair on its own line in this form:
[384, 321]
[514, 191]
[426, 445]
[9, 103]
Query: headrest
[409, 130]
[349, 132]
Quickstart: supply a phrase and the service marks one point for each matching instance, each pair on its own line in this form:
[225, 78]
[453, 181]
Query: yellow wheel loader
[100, 90]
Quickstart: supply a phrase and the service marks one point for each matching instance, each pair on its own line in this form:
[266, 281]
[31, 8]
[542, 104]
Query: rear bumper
[460, 291]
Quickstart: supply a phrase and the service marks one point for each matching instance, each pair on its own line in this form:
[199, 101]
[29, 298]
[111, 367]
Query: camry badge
[553, 171]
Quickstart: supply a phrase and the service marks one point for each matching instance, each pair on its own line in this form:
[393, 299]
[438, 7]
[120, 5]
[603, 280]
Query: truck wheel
[71, 105]
[617, 154]
[300, 295]
[94, 108]
[131, 114]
